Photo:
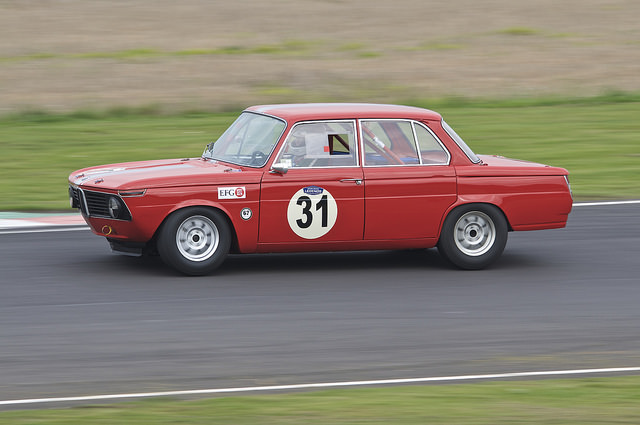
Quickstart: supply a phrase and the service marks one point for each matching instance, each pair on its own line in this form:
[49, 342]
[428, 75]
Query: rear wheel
[195, 240]
[473, 236]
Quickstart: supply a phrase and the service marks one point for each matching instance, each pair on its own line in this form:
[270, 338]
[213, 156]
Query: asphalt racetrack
[78, 320]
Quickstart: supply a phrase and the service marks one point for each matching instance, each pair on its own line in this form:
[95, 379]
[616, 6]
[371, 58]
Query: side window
[389, 142]
[320, 144]
[431, 151]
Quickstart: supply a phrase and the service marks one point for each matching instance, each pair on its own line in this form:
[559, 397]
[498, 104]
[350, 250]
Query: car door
[318, 195]
[408, 181]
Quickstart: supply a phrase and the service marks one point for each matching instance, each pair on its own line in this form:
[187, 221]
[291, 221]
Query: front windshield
[466, 149]
[248, 141]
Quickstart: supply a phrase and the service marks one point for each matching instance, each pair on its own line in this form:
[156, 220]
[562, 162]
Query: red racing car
[322, 177]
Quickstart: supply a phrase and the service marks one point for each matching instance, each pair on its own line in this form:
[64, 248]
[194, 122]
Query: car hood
[501, 166]
[163, 173]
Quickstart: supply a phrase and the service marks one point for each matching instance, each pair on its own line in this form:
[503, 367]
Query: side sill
[543, 226]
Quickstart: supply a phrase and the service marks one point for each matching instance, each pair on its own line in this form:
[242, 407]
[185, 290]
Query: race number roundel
[312, 212]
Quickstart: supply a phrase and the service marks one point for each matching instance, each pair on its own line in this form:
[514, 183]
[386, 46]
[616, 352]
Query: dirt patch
[71, 54]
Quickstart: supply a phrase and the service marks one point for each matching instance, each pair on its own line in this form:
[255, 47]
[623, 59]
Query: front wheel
[194, 241]
[473, 236]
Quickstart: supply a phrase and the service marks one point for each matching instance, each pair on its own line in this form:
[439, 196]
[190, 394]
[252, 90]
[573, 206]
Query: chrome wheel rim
[475, 233]
[197, 238]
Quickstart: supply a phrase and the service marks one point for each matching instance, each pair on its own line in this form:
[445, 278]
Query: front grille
[74, 195]
[95, 204]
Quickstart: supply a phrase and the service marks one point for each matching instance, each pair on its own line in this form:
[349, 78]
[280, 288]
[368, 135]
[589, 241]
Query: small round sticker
[312, 212]
[246, 213]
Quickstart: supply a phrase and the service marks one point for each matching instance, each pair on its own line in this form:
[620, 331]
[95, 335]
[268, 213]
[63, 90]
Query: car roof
[321, 111]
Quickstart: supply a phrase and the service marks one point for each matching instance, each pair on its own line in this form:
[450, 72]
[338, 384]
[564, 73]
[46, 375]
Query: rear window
[466, 149]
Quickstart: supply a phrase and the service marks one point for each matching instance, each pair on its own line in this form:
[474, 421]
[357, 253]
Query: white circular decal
[246, 213]
[312, 212]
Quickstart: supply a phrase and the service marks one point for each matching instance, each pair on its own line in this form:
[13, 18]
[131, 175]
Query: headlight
[72, 200]
[115, 207]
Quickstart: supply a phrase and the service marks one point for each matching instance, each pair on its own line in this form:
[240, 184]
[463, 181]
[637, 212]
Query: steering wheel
[258, 158]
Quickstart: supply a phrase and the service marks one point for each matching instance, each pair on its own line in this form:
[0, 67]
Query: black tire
[194, 240]
[473, 236]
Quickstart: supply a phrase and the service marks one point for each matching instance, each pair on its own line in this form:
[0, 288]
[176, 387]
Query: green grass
[596, 139]
[578, 401]
[598, 143]
[441, 46]
[39, 150]
[519, 31]
[289, 47]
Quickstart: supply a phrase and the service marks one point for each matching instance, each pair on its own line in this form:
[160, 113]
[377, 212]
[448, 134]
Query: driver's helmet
[297, 146]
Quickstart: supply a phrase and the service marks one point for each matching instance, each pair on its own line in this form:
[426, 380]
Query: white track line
[322, 385]
[56, 229]
[599, 204]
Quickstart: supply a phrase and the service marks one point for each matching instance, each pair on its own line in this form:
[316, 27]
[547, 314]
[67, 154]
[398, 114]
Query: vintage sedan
[322, 177]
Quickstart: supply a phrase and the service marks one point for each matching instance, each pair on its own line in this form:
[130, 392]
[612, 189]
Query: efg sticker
[232, 192]
[246, 213]
[312, 212]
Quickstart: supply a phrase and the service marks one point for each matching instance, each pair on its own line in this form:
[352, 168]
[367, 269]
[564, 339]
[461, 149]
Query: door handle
[357, 181]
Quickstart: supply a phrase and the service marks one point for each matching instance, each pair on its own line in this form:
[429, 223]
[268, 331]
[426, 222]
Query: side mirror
[279, 168]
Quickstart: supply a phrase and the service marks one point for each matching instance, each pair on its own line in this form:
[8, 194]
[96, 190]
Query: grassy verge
[290, 47]
[596, 139]
[579, 401]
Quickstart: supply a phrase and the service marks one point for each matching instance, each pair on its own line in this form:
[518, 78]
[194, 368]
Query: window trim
[415, 141]
[459, 141]
[267, 155]
[437, 139]
[355, 144]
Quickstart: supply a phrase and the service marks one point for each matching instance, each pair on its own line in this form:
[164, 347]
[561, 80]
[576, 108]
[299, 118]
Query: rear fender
[473, 200]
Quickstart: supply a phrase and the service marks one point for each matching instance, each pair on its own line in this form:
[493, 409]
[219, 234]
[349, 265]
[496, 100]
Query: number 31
[321, 205]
